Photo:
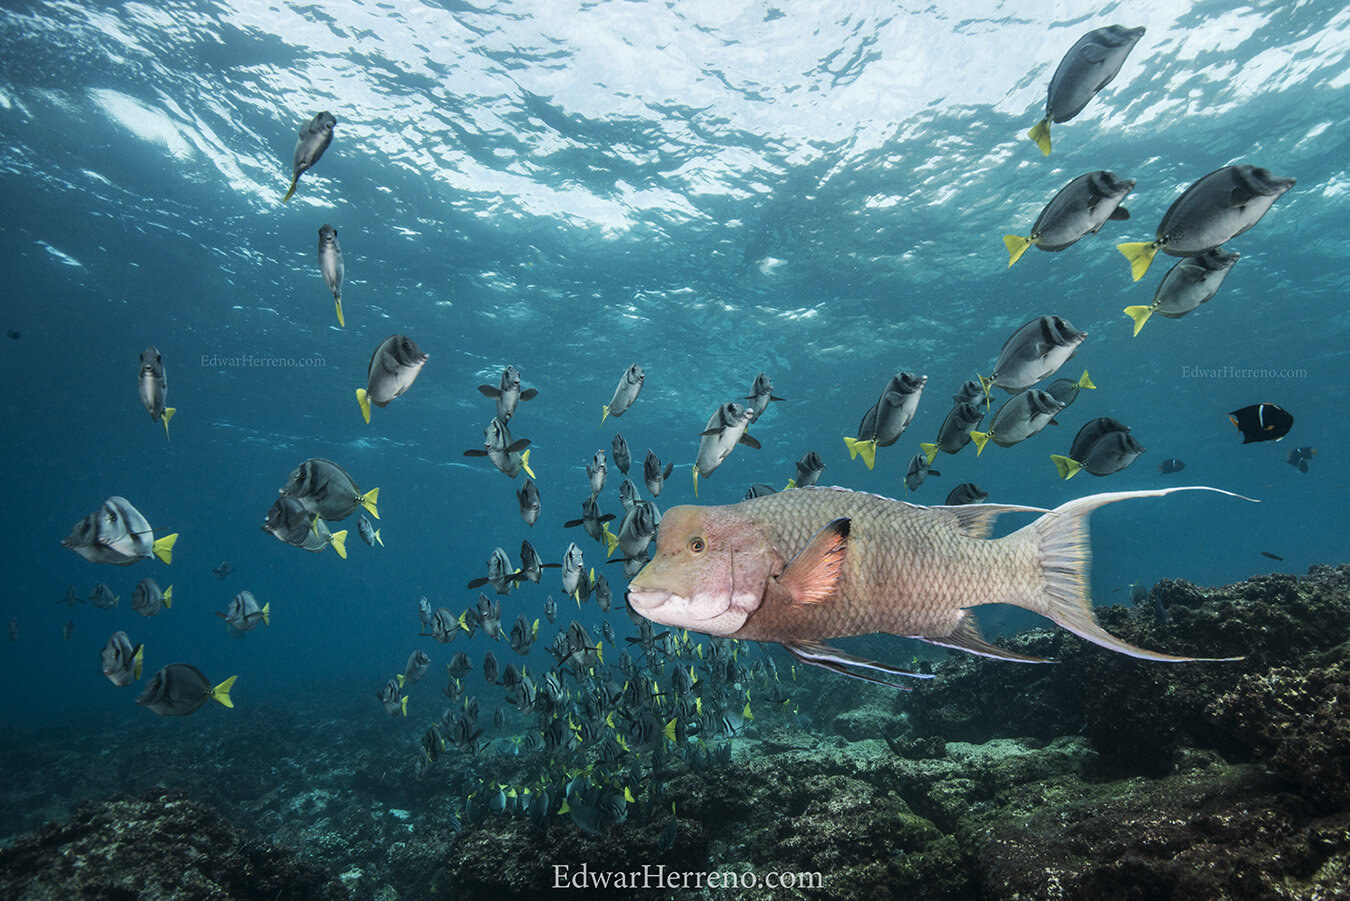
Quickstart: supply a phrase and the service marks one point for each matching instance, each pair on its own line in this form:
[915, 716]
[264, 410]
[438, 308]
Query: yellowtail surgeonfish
[1217, 208]
[1186, 285]
[1090, 65]
[117, 533]
[154, 386]
[630, 386]
[180, 689]
[393, 368]
[330, 265]
[886, 420]
[1080, 209]
[315, 136]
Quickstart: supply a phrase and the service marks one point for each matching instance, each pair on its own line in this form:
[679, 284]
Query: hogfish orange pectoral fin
[820, 654]
[813, 575]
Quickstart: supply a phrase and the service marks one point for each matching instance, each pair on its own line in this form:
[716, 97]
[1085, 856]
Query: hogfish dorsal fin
[977, 520]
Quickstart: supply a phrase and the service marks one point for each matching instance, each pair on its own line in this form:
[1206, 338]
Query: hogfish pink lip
[648, 598]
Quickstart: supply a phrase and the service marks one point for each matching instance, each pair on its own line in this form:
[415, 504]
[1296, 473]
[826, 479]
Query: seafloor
[1098, 777]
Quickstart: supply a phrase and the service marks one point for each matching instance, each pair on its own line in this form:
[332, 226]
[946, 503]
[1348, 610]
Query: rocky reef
[1099, 776]
[158, 845]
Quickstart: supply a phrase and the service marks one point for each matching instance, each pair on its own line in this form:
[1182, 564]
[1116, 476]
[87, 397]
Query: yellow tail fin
[378, 539]
[1085, 381]
[401, 678]
[980, 438]
[1139, 315]
[221, 693]
[1017, 245]
[696, 477]
[604, 414]
[137, 659]
[168, 598]
[363, 401]
[867, 449]
[368, 501]
[611, 540]
[1040, 133]
[791, 483]
[267, 613]
[339, 540]
[1067, 467]
[163, 547]
[168, 414]
[294, 181]
[525, 462]
[930, 451]
[986, 384]
[1140, 254]
[403, 705]
[338, 301]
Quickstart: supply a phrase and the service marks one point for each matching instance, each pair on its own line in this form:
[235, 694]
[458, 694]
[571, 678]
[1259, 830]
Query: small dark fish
[424, 611]
[243, 613]
[509, 455]
[595, 524]
[223, 570]
[1090, 65]
[666, 840]
[619, 451]
[14, 334]
[330, 265]
[628, 494]
[394, 366]
[508, 393]
[153, 387]
[1299, 457]
[369, 534]
[392, 697]
[1080, 209]
[67, 630]
[761, 393]
[71, 598]
[416, 668]
[491, 671]
[759, 490]
[966, 493]
[523, 635]
[528, 495]
[121, 662]
[148, 599]
[295, 524]
[459, 665]
[315, 136]
[917, 472]
[180, 689]
[596, 471]
[630, 386]
[955, 431]
[1271, 556]
[1066, 390]
[551, 609]
[1171, 466]
[1217, 208]
[14, 629]
[653, 475]
[443, 625]
[809, 468]
[102, 597]
[1262, 422]
[604, 595]
[499, 573]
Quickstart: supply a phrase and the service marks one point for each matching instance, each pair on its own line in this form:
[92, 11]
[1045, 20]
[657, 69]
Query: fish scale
[909, 569]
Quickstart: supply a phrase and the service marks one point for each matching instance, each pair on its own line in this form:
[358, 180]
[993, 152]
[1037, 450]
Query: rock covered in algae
[158, 845]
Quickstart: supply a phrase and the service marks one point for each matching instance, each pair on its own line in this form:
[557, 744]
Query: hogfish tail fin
[1061, 539]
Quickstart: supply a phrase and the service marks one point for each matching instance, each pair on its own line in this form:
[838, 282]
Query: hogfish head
[708, 573]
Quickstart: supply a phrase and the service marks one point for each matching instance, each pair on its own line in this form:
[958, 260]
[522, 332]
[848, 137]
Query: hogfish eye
[697, 545]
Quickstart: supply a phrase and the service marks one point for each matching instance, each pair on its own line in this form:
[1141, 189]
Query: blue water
[817, 191]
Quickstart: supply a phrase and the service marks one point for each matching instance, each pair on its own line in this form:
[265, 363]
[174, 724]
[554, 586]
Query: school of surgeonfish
[592, 733]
